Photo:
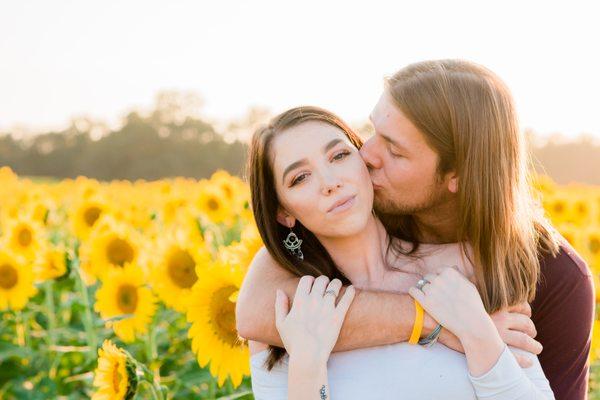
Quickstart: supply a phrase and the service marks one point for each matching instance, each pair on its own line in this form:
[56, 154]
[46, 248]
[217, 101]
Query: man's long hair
[467, 116]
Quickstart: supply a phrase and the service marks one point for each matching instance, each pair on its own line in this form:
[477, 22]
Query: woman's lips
[346, 204]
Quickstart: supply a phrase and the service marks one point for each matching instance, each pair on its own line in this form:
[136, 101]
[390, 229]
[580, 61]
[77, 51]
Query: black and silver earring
[293, 243]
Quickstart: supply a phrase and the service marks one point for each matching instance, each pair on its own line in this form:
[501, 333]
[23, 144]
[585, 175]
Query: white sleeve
[269, 385]
[508, 381]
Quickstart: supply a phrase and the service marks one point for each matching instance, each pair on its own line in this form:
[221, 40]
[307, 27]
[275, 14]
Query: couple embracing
[415, 265]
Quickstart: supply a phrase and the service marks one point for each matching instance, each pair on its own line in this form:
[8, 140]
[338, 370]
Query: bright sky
[65, 58]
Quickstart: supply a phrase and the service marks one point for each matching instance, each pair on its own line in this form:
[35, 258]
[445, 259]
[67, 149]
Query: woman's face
[321, 180]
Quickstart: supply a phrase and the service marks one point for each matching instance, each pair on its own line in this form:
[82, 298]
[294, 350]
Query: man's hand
[517, 330]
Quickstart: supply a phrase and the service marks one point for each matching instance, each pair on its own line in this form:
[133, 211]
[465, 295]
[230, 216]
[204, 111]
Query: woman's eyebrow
[303, 161]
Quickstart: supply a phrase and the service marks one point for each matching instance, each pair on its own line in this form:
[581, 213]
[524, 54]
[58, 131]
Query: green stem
[155, 395]
[212, 388]
[88, 321]
[20, 329]
[49, 288]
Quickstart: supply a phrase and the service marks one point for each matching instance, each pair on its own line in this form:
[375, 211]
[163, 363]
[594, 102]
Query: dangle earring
[293, 243]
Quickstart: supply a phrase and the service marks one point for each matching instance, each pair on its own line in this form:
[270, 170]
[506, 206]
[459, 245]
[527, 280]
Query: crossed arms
[375, 318]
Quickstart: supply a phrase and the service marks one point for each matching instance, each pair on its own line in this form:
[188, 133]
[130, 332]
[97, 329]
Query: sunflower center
[8, 276]
[127, 298]
[119, 252]
[91, 215]
[595, 246]
[24, 237]
[223, 315]
[212, 204]
[116, 377]
[182, 269]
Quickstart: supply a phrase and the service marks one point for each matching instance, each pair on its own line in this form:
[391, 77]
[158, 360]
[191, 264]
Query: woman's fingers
[304, 286]
[345, 301]
[417, 294]
[282, 306]
[335, 286]
[318, 287]
[429, 278]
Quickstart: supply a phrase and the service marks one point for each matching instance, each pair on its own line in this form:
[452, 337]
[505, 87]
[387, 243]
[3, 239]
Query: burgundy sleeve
[563, 313]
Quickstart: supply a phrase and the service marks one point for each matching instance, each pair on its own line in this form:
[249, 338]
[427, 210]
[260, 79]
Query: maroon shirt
[563, 313]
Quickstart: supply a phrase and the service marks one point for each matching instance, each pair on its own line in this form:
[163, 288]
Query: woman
[324, 197]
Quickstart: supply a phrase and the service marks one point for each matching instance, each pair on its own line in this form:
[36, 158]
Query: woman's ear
[285, 219]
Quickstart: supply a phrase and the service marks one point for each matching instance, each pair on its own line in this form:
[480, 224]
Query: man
[447, 165]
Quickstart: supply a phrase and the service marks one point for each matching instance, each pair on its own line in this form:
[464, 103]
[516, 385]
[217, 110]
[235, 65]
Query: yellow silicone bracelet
[418, 326]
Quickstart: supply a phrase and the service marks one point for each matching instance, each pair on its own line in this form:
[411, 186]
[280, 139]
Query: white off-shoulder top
[407, 372]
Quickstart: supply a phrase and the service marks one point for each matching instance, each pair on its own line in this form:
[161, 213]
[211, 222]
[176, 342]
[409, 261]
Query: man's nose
[368, 154]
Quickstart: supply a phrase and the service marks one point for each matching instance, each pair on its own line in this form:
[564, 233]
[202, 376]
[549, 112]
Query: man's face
[402, 166]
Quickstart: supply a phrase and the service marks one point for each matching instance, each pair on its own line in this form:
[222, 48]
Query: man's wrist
[429, 324]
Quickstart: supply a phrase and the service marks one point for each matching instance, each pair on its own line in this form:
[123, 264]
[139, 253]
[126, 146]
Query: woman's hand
[454, 302]
[311, 328]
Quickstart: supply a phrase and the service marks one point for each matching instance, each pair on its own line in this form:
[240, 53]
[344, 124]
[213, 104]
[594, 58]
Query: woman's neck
[360, 257]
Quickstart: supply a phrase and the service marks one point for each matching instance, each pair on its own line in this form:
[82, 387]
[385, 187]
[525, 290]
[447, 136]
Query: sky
[69, 58]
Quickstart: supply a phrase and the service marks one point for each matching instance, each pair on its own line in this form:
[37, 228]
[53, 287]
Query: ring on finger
[422, 282]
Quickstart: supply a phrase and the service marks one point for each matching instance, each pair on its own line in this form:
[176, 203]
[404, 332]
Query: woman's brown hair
[467, 115]
[265, 203]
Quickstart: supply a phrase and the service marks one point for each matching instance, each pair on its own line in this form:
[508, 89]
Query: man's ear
[285, 219]
[453, 183]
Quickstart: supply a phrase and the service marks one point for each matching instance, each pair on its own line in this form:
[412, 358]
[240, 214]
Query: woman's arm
[307, 380]
[455, 302]
[309, 331]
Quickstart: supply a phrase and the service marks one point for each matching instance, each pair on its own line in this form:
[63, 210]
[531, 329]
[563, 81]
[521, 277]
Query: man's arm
[374, 318]
[563, 312]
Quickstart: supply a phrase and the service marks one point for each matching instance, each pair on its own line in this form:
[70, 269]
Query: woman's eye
[298, 179]
[341, 155]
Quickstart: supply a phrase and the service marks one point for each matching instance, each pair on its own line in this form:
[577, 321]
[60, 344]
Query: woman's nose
[330, 184]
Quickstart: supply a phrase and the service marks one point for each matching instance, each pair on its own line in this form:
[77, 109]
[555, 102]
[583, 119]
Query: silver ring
[422, 282]
[330, 291]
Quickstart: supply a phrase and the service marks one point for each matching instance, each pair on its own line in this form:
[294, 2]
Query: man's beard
[384, 204]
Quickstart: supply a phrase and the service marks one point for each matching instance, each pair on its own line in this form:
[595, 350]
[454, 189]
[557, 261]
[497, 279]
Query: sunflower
[51, 264]
[558, 207]
[111, 245]
[212, 314]
[240, 254]
[24, 236]
[180, 260]
[115, 378]
[123, 293]
[16, 281]
[84, 216]
[213, 203]
[593, 245]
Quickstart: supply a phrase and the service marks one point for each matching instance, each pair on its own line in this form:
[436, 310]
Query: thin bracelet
[418, 326]
[432, 338]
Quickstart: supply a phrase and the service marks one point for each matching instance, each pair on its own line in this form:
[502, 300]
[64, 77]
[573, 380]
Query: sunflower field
[125, 290]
